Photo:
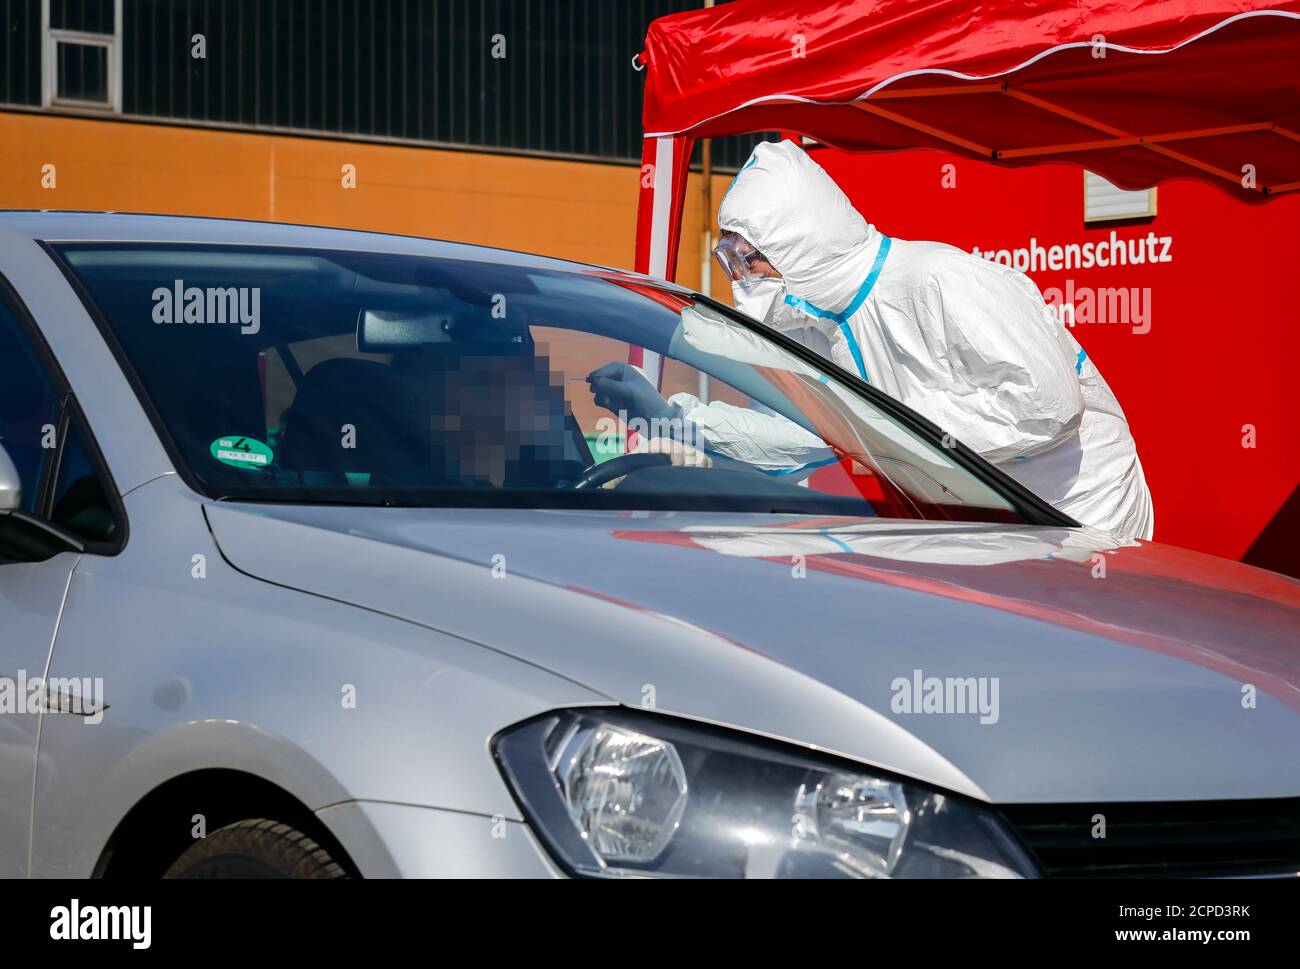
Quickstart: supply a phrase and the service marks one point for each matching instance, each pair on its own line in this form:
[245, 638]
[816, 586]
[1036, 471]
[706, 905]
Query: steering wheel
[599, 474]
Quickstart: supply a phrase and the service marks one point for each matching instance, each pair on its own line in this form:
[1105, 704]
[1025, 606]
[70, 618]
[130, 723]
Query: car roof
[56, 226]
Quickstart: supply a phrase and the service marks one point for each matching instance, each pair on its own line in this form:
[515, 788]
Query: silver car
[322, 554]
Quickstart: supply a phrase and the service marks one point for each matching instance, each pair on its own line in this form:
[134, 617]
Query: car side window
[80, 503]
[45, 436]
[29, 410]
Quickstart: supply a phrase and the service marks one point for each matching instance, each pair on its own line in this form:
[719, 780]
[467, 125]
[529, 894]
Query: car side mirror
[11, 487]
[24, 537]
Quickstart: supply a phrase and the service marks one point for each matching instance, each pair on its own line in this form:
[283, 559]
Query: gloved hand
[621, 387]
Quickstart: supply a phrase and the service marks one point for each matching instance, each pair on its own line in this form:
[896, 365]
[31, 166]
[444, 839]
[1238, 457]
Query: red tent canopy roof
[1138, 92]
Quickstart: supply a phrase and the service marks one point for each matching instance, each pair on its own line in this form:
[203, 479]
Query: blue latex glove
[620, 387]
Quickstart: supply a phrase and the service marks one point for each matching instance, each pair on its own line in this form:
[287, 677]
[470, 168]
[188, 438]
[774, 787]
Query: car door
[31, 593]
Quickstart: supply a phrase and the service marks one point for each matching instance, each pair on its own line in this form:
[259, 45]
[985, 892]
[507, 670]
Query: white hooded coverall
[968, 343]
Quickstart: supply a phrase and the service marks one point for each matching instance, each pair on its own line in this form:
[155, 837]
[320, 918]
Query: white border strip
[800, 99]
[660, 228]
[663, 202]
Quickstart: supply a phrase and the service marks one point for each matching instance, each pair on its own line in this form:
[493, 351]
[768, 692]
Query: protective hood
[786, 206]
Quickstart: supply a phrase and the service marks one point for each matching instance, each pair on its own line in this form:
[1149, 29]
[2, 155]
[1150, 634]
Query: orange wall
[575, 210]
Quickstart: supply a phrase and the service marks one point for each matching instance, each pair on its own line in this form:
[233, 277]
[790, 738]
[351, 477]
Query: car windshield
[315, 375]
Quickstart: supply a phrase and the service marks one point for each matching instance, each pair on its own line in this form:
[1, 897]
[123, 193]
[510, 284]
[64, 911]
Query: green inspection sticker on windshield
[247, 453]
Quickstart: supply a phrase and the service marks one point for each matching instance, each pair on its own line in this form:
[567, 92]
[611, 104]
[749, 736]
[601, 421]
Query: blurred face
[499, 410]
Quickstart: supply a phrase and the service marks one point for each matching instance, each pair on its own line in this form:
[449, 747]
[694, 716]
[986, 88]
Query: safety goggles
[736, 257]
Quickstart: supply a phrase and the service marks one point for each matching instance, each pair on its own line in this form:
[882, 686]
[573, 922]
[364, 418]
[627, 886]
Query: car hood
[1101, 672]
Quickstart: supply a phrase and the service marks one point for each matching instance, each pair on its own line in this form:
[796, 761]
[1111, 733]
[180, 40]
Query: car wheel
[256, 848]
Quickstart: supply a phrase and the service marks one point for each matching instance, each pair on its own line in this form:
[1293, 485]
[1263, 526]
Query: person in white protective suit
[966, 342]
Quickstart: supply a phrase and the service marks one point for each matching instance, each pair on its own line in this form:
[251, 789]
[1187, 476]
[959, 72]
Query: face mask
[755, 297]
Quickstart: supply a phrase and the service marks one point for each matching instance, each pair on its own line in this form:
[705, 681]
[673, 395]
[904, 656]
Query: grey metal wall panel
[412, 69]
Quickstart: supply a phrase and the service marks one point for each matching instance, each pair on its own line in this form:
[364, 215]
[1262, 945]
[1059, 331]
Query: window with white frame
[81, 54]
[1104, 202]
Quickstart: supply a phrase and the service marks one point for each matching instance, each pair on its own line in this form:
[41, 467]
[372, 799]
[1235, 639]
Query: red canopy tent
[1138, 92]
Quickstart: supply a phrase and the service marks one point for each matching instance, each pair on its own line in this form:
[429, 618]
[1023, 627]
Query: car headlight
[614, 792]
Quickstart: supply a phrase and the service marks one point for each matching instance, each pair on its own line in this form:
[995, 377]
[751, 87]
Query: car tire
[256, 848]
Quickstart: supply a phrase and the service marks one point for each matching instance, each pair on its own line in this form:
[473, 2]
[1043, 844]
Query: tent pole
[706, 237]
[706, 240]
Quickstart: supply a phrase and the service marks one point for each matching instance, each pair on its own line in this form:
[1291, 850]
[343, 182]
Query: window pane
[83, 72]
[28, 409]
[366, 377]
[80, 504]
[88, 16]
[20, 52]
